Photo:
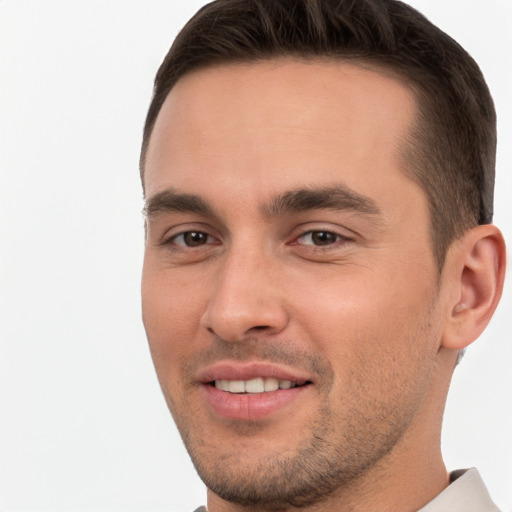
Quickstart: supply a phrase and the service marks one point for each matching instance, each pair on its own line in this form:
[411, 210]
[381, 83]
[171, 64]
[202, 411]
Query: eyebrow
[169, 201]
[337, 198]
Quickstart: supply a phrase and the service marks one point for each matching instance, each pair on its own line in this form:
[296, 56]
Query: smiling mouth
[256, 385]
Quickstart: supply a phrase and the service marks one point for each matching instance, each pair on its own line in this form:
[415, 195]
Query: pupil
[323, 238]
[194, 238]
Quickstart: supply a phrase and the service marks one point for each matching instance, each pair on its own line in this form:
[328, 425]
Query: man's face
[287, 249]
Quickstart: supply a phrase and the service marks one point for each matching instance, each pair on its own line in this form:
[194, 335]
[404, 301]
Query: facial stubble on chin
[303, 475]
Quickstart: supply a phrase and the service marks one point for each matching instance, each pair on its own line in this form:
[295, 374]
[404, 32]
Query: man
[318, 177]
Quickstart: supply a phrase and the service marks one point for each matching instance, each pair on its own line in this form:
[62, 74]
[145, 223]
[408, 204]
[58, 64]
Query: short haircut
[451, 149]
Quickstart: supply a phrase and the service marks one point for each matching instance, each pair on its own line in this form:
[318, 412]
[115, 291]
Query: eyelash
[335, 238]
[172, 240]
[321, 232]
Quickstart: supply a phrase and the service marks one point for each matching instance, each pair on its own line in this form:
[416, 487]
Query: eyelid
[311, 232]
[345, 234]
[173, 238]
[181, 229]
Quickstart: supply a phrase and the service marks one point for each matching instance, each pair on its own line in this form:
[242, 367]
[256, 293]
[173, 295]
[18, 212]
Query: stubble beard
[331, 456]
[312, 473]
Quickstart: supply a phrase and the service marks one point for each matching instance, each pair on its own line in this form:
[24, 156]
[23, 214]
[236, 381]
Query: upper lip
[234, 370]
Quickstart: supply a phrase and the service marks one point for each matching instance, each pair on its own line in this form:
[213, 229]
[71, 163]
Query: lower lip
[250, 407]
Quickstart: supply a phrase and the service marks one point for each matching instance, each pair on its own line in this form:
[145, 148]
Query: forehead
[285, 118]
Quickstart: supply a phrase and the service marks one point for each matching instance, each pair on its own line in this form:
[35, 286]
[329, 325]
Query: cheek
[170, 313]
[381, 343]
[365, 316]
[170, 318]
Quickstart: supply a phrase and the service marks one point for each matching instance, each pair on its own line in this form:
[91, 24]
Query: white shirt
[466, 493]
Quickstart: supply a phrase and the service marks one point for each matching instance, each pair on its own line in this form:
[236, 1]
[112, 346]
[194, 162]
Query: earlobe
[477, 264]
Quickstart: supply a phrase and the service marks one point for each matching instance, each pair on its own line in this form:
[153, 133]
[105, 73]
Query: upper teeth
[257, 385]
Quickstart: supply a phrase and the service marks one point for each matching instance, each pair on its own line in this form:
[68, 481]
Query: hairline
[367, 63]
[409, 148]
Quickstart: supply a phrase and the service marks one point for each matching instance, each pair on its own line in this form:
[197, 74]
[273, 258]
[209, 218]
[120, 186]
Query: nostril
[232, 321]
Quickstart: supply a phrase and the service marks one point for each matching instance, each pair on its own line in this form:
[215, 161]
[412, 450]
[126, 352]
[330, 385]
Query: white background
[83, 426]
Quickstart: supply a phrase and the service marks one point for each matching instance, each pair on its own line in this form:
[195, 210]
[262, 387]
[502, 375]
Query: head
[450, 151]
[318, 178]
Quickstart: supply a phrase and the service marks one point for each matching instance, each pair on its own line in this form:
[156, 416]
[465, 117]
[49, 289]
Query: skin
[348, 297]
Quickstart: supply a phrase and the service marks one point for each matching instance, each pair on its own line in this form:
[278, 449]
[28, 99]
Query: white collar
[466, 493]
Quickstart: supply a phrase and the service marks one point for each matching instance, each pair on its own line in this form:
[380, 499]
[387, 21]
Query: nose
[246, 299]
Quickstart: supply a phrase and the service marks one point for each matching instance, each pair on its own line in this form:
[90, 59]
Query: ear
[476, 268]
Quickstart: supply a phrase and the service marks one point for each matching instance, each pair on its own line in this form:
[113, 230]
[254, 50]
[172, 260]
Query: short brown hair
[451, 149]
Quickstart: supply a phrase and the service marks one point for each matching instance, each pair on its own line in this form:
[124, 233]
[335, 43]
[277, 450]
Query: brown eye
[324, 237]
[319, 238]
[192, 239]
